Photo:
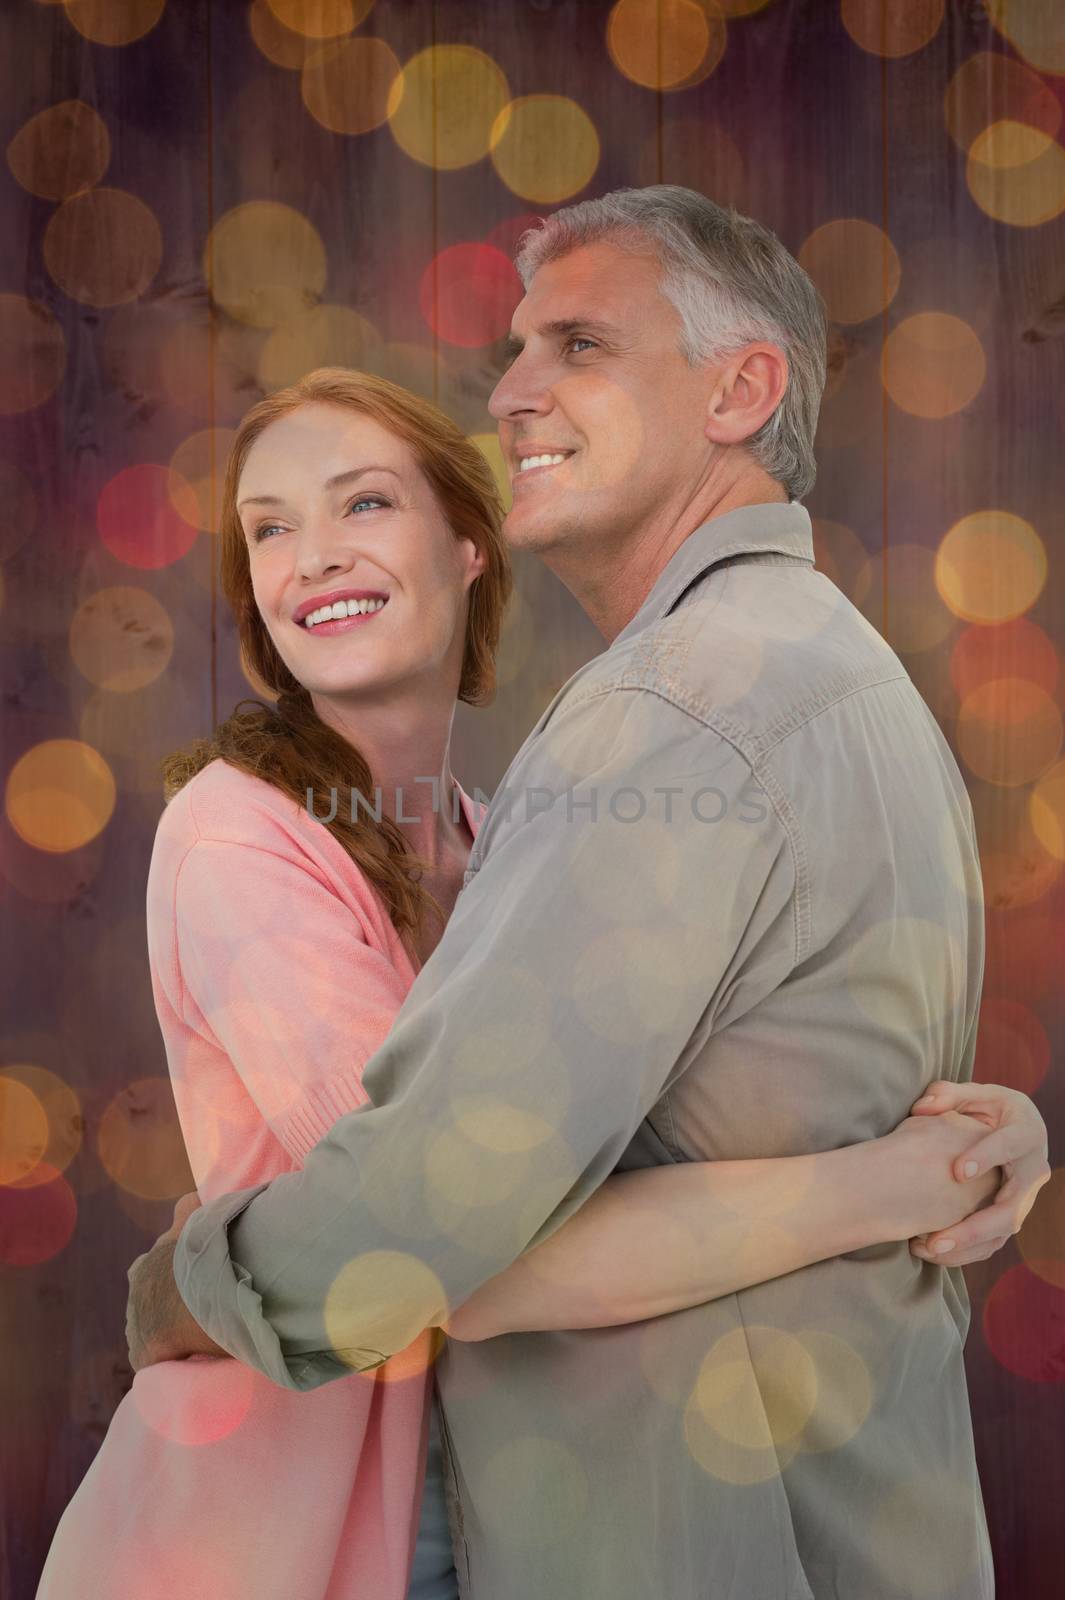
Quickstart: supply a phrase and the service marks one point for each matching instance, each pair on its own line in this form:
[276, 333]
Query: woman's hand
[1017, 1144]
[924, 1156]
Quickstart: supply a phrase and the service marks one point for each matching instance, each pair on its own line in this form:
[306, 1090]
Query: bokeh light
[489, 446]
[37, 1218]
[1024, 1325]
[61, 150]
[34, 354]
[842, 557]
[23, 1130]
[665, 44]
[545, 147]
[264, 263]
[59, 795]
[991, 87]
[376, 1292]
[137, 519]
[203, 1402]
[468, 293]
[933, 364]
[1012, 1047]
[328, 336]
[1016, 174]
[892, 30]
[114, 22]
[755, 1393]
[281, 45]
[990, 567]
[855, 266]
[347, 85]
[1018, 648]
[320, 19]
[916, 617]
[197, 470]
[103, 247]
[121, 639]
[444, 104]
[64, 1123]
[1009, 731]
[1034, 29]
[139, 1142]
[1047, 811]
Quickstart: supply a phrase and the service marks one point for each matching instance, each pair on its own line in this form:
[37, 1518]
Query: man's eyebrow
[330, 483]
[513, 346]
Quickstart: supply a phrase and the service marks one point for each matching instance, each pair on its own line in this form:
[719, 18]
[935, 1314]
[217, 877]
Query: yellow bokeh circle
[121, 639]
[1046, 810]
[347, 85]
[139, 1142]
[61, 150]
[389, 1297]
[1009, 731]
[855, 266]
[59, 795]
[23, 1130]
[545, 147]
[197, 470]
[990, 87]
[991, 566]
[1034, 28]
[320, 19]
[264, 263]
[281, 45]
[103, 247]
[892, 29]
[665, 44]
[444, 104]
[1016, 173]
[114, 22]
[328, 336]
[932, 364]
[63, 1117]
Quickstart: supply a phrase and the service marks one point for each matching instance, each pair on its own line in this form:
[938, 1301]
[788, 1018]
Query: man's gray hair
[732, 283]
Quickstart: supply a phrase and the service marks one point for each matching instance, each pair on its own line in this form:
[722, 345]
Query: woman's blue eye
[363, 500]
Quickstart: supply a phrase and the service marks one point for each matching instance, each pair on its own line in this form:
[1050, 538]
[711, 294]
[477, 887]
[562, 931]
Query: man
[725, 904]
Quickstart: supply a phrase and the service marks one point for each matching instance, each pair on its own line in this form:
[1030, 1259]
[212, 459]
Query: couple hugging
[582, 1180]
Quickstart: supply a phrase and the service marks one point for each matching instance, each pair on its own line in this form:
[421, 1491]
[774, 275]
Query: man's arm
[584, 965]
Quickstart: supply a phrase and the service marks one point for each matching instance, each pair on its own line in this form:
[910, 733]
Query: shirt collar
[775, 527]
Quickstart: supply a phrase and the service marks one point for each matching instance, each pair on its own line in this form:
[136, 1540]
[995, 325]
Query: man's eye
[578, 338]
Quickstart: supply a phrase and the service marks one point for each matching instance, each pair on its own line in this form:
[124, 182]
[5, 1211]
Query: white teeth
[540, 461]
[341, 608]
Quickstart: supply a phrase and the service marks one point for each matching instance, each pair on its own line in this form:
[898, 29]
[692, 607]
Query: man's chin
[534, 529]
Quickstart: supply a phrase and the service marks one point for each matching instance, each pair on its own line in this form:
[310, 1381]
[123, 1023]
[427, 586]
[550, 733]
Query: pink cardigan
[276, 973]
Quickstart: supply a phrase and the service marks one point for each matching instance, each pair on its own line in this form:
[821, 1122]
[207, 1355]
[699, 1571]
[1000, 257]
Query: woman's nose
[322, 548]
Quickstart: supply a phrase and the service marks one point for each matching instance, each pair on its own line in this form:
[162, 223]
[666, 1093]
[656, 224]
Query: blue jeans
[433, 1572]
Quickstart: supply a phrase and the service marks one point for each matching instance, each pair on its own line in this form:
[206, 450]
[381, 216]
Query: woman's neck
[407, 746]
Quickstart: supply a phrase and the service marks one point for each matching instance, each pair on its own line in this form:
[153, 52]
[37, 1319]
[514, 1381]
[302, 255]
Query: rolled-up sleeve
[635, 888]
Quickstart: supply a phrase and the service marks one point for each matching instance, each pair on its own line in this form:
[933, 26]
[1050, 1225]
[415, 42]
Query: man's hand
[1017, 1144]
[159, 1325]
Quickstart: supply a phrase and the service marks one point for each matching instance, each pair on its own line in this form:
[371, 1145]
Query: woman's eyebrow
[330, 483]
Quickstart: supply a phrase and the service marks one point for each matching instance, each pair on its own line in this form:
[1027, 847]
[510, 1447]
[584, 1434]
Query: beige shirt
[725, 903]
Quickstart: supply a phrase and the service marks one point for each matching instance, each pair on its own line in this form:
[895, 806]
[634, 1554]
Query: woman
[363, 559]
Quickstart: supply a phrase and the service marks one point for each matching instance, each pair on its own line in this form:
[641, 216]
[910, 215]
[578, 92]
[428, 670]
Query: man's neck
[611, 582]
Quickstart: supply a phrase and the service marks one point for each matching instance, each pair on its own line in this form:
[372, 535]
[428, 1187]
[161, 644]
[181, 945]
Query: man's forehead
[588, 289]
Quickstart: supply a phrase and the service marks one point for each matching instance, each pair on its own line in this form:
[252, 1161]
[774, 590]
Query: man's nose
[522, 389]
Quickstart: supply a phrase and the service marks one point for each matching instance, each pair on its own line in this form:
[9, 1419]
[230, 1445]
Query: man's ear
[749, 389]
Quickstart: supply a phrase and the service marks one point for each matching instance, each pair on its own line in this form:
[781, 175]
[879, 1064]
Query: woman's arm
[663, 1238]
